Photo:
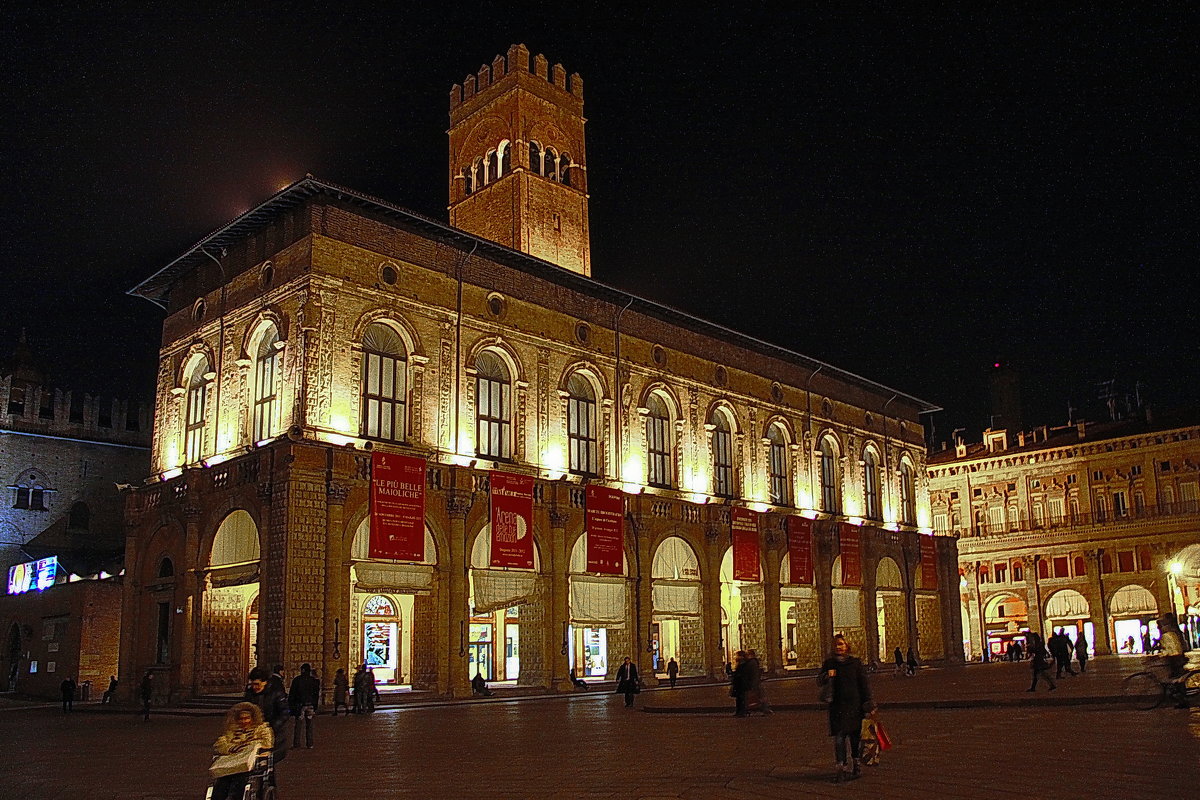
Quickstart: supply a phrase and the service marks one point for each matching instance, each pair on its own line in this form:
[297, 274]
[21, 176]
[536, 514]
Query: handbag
[233, 763]
[885, 741]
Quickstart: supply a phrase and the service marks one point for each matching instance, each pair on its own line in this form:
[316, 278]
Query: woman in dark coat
[849, 704]
[740, 683]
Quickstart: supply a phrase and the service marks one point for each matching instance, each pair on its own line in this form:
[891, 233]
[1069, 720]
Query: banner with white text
[800, 543]
[397, 507]
[850, 549]
[605, 524]
[512, 520]
[745, 544]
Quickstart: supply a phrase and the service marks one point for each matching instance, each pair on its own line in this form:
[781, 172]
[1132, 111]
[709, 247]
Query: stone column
[823, 556]
[710, 593]
[458, 505]
[977, 630]
[1102, 638]
[556, 638]
[335, 652]
[776, 538]
[189, 646]
[1033, 595]
[645, 610]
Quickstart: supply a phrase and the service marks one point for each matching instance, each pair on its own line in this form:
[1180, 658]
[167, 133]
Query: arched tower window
[166, 569]
[493, 403]
[550, 164]
[722, 454]
[197, 411]
[564, 169]
[581, 426]
[777, 467]
[535, 157]
[468, 180]
[492, 167]
[658, 442]
[384, 384]
[871, 485]
[505, 153]
[831, 500]
[480, 172]
[266, 385]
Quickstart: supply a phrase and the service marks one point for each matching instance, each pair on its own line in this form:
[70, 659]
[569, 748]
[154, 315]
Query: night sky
[908, 197]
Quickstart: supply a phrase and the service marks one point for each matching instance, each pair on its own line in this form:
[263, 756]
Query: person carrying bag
[244, 737]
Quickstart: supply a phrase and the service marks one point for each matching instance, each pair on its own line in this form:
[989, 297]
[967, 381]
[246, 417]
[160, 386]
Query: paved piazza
[1068, 743]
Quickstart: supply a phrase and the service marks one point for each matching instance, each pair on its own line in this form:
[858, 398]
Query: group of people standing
[745, 685]
[1056, 652]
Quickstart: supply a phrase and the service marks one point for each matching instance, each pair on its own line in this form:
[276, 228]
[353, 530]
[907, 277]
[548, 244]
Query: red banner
[800, 542]
[512, 520]
[745, 544]
[850, 549]
[605, 526]
[397, 507]
[928, 562]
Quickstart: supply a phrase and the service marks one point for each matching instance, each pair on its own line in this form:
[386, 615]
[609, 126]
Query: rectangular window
[16, 400]
[722, 462]
[384, 395]
[995, 519]
[1164, 466]
[46, 408]
[492, 427]
[1136, 469]
[1119, 507]
[1001, 573]
[104, 415]
[658, 447]
[778, 474]
[1125, 561]
[1189, 496]
[265, 379]
[194, 430]
[76, 413]
[581, 435]
[1061, 567]
[940, 523]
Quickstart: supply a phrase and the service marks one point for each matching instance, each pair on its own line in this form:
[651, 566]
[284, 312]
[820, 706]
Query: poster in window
[928, 563]
[850, 549]
[512, 520]
[745, 544]
[605, 522]
[800, 541]
[397, 507]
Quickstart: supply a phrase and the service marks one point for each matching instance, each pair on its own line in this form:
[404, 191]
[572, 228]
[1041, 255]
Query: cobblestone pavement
[590, 746]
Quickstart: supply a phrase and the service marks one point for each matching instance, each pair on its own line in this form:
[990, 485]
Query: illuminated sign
[32, 575]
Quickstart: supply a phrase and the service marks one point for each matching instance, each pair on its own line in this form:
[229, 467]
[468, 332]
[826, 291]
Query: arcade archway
[677, 622]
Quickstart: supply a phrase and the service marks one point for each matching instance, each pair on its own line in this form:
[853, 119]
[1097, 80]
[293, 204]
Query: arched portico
[229, 625]
[677, 620]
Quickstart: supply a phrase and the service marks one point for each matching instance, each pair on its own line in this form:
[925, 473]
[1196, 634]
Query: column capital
[459, 502]
[559, 517]
[337, 493]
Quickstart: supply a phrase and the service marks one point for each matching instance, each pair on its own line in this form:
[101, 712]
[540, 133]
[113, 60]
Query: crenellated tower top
[518, 167]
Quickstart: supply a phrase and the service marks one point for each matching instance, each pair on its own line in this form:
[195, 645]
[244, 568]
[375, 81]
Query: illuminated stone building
[61, 452]
[1088, 527]
[325, 326]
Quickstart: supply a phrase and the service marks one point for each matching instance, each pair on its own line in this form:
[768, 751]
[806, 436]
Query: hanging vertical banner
[928, 563]
[850, 547]
[604, 510]
[800, 541]
[397, 507]
[512, 520]
[745, 544]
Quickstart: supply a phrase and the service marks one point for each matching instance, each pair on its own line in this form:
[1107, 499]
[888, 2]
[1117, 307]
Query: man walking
[303, 698]
[68, 693]
[628, 681]
[145, 693]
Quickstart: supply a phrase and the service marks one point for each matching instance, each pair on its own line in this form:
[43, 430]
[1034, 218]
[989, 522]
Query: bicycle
[1152, 687]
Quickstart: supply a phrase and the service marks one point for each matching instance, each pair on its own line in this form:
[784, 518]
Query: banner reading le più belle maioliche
[850, 547]
[799, 532]
[605, 522]
[512, 520]
[928, 563]
[745, 543]
[397, 507]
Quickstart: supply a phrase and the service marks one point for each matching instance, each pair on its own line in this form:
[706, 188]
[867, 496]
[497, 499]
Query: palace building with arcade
[1091, 527]
[577, 457]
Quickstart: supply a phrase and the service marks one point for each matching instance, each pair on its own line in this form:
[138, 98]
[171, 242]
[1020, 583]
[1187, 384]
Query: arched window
[80, 517]
[1043, 568]
[777, 468]
[658, 442]
[468, 180]
[491, 169]
[581, 426]
[30, 492]
[493, 401]
[165, 568]
[1018, 570]
[908, 512]
[505, 152]
[480, 173]
[535, 157]
[384, 384]
[266, 383]
[564, 169]
[871, 485]
[1080, 566]
[550, 164]
[197, 411]
[722, 455]
[831, 500]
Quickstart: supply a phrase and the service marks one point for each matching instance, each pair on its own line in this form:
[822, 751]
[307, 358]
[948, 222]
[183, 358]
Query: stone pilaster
[458, 504]
[335, 652]
[556, 642]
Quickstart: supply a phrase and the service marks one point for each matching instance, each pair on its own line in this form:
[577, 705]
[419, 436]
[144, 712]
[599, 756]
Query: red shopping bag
[885, 743]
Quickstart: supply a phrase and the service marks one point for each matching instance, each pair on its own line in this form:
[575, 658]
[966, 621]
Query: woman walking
[341, 690]
[1039, 662]
[850, 703]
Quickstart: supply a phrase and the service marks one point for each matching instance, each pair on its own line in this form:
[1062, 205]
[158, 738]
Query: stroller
[261, 784]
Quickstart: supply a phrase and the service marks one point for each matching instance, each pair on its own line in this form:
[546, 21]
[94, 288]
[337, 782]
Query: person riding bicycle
[1171, 640]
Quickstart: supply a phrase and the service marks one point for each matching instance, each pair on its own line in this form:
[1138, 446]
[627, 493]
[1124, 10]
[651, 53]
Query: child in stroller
[245, 742]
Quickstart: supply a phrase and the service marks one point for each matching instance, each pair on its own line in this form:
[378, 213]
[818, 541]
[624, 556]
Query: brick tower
[518, 172]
